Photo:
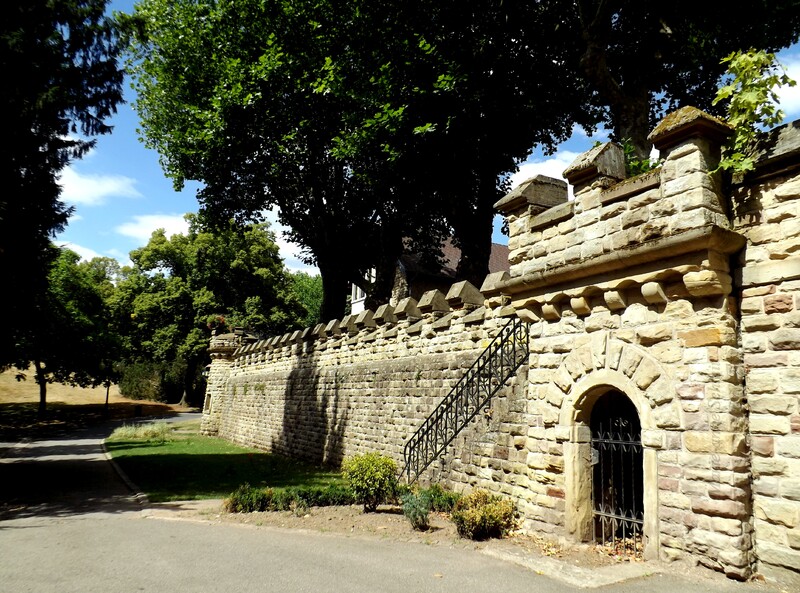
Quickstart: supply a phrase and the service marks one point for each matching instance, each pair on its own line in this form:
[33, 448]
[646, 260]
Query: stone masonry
[674, 288]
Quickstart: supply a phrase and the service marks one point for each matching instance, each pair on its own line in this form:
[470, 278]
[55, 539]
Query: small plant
[442, 501]
[633, 164]
[154, 432]
[752, 103]
[372, 478]
[481, 515]
[247, 499]
[417, 509]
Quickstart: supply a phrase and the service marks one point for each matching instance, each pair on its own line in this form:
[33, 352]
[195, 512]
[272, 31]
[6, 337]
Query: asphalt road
[68, 523]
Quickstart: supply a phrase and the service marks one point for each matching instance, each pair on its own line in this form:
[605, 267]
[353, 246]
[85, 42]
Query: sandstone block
[761, 322]
[702, 337]
[779, 555]
[790, 489]
[759, 381]
[764, 424]
[761, 404]
[652, 334]
[778, 303]
[789, 447]
[785, 339]
[763, 446]
[654, 293]
[777, 512]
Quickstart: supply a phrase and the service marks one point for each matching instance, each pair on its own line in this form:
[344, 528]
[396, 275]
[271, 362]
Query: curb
[577, 576]
[138, 495]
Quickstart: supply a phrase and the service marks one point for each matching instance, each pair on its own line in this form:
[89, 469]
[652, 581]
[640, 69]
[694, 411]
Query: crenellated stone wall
[673, 288]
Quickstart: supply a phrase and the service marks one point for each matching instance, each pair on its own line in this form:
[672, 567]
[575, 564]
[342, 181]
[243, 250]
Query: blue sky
[121, 195]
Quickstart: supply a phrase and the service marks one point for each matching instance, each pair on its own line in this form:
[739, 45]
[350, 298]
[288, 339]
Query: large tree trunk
[472, 228]
[631, 119]
[381, 290]
[187, 398]
[41, 380]
[335, 287]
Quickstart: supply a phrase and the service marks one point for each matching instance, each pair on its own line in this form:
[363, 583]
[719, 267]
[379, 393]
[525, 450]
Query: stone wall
[358, 385]
[767, 213]
[672, 288]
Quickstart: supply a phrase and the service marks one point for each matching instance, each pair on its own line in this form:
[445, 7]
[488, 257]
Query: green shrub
[247, 499]
[372, 478]
[417, 508]
[481, 515]
[327, 496]
[442, 501]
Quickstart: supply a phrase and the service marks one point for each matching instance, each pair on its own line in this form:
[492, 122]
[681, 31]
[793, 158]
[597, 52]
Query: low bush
[247, 499]
[328, 496]
[417, 508]
[481, 515]
[442, 501]
[372, 478]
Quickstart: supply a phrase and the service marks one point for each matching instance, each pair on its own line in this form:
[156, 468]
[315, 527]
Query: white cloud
[600, 134]
[94, 190]
[85, 252]
[789, 97]
[552, 166]
[141, 227]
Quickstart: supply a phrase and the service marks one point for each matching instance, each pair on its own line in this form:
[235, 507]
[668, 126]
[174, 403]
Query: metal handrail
[487, 375]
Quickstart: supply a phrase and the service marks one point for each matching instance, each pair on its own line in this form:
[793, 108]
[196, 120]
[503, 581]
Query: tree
[180, 286]
[308, 290]
[58, 62]
[66, 339]
[642, 59]
[379, 127]
[343, 115]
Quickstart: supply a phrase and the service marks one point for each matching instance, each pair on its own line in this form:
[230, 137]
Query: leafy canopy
[61, 81]
[751, 104]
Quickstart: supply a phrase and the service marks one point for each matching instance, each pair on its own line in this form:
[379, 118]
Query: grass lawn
[189, 466]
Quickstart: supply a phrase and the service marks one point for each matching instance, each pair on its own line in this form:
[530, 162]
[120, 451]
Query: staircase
[496, 365]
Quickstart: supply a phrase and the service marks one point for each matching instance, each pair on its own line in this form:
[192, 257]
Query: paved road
[68, 523]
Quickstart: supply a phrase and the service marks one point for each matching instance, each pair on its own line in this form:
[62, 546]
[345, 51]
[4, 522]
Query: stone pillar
[221, 349]
[529, 199]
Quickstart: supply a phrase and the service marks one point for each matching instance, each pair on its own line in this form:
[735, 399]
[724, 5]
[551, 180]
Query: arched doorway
[617, 473]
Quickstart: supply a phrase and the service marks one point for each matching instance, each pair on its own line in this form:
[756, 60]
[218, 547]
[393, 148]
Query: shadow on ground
[20, 421]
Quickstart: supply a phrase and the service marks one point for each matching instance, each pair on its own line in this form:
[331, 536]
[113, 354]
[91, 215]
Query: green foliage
[372, 477]
[247, 499]
[61, 82]
[166, 306]
[308, 291]
[417, 508]
[633, 164]
[480, 515]
[72, 308]
[751, 104]
[442, 501]
[154, 381]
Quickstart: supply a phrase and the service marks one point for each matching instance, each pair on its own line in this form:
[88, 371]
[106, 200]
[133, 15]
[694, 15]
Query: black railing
[496, 365]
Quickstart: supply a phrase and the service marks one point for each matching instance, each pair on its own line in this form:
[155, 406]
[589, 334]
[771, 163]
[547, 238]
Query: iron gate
[617, 474]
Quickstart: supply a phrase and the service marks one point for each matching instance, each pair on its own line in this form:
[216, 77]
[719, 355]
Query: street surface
[68, 523]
